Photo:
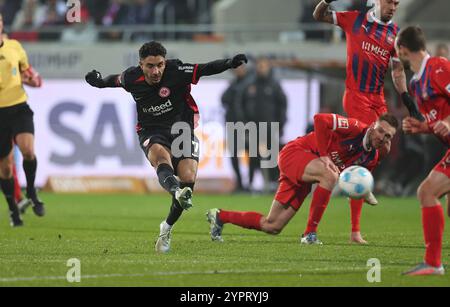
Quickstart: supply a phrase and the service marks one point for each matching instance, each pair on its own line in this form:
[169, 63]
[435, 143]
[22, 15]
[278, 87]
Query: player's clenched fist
[412, 125]
[441, 128]
[238, 60]
[94, 78]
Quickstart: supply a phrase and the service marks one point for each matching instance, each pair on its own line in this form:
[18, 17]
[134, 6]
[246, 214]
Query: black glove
[329, 1]
[238, 60]
[95, 79]
[411, 106]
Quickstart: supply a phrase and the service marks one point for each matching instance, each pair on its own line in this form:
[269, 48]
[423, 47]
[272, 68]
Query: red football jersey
[370, 47]
[342, 139]
[431, 87]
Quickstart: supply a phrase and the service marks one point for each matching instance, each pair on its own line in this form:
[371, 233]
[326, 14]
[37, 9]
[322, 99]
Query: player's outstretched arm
[94, 78]
[412, 107]
[322, 12]
[399, 79]
[219, 66]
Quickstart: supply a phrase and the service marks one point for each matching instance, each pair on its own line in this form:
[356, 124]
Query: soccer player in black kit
[161, 90]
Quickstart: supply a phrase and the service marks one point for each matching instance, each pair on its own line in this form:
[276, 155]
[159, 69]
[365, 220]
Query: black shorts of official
[13, 121]
[150, 136]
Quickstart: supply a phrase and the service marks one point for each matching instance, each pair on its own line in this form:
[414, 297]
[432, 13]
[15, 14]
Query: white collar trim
[419, 74]
[371, 17]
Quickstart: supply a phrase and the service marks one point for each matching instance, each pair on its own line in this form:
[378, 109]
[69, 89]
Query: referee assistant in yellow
[16, 123]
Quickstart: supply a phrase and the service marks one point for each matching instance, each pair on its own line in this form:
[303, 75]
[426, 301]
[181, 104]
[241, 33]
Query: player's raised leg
[160, 158]
[187, 172]
[7, 186]
[429, 192]
[323, 171]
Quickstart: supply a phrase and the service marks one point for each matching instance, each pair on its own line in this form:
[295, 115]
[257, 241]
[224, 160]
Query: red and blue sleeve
[345, 20]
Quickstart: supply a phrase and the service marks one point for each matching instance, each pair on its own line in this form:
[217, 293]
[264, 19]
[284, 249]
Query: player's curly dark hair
[152, 48]
[412, 38]
[390, 119]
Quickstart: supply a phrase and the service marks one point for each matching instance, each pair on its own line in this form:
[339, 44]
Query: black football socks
[29, 167]
[175, 208]
[167, 178]
[7, 186]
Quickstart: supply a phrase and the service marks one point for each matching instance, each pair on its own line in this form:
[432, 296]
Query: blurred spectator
[80, 32]
[115, 14]
[9, 9]
[234, 112]
[54, 13]
[264, 101]
[28, 16]
[35, 14]
[97, 9]
[442, 50]
[141, 12]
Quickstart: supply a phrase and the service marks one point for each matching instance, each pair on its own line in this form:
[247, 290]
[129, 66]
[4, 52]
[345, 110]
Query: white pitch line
[33, 278]
[300, 273]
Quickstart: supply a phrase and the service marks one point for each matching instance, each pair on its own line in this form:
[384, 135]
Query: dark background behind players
[264, 101]
[234, 112]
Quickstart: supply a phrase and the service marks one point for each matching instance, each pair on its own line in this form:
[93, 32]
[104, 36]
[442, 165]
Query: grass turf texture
[114, 235]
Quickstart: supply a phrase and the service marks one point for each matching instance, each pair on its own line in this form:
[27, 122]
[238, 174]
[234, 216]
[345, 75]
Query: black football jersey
[163, 104]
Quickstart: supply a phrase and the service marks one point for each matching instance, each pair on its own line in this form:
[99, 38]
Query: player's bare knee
[329, 178]
[187, 176]
[274, 229]
[425, 194]
[6, 169]
[270, 227]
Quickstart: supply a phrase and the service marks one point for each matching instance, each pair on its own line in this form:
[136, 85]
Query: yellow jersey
[13, 61]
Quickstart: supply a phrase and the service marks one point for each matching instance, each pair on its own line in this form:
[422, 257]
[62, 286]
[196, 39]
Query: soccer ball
[356, 182]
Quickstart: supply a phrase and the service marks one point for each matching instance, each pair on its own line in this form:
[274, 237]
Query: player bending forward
[161, 90]
[370, 51]
[336, 143]
[431, 87]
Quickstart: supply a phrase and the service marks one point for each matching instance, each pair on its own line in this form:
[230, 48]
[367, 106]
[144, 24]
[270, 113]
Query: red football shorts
[444, 165]
[292, 162]
[364, 107]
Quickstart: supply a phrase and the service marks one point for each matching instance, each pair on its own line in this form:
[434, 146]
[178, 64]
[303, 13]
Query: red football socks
[319, 203]
[250, 220]
[17, 190]
[356, 208]
[433, 229]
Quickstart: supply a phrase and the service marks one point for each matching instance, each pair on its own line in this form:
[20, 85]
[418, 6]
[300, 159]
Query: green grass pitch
[113, 237]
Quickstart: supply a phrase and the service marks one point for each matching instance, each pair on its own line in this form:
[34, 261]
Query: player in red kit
[370, 51]
[336, 143]
[431, 87]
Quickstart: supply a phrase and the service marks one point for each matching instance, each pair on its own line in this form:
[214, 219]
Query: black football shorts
[174, 142]
[13, 121]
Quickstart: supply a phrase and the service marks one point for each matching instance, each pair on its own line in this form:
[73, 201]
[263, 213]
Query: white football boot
[162, 244]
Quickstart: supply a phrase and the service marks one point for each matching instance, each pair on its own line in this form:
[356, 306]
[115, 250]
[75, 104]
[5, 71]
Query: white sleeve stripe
[334, 17]
[334, 122]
